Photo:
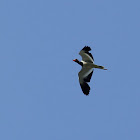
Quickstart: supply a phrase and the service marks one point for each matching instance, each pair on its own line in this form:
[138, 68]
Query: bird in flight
[88, 66]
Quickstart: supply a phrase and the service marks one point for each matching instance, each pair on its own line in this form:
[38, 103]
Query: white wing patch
[85, 57]
[84, 73]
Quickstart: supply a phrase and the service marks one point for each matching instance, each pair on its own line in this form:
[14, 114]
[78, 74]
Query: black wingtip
[85, 88]
[86, 48]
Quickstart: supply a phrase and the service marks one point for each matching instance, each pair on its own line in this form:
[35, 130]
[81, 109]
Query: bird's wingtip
[86, 48]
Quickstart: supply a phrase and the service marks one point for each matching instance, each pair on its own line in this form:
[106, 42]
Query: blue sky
[40, 96]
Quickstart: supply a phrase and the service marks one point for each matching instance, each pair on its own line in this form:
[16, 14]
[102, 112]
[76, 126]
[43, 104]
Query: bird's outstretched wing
[86, 56]
[84, 76]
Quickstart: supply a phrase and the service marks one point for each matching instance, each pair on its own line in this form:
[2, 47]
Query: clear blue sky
[40, 96]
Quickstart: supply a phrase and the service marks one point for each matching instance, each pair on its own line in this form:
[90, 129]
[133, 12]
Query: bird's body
[91, 65]
[88, 66]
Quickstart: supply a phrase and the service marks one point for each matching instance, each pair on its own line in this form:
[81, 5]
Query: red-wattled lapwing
[88, 66]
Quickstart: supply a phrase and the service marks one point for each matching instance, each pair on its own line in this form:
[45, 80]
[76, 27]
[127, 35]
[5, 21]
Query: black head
[77, 61]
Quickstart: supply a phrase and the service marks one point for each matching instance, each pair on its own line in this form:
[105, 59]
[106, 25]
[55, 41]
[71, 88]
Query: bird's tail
[100, 67]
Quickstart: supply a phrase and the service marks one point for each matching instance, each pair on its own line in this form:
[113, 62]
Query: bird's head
[76, 60]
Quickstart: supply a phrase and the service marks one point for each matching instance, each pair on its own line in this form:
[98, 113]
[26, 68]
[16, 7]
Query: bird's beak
[74, 60]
